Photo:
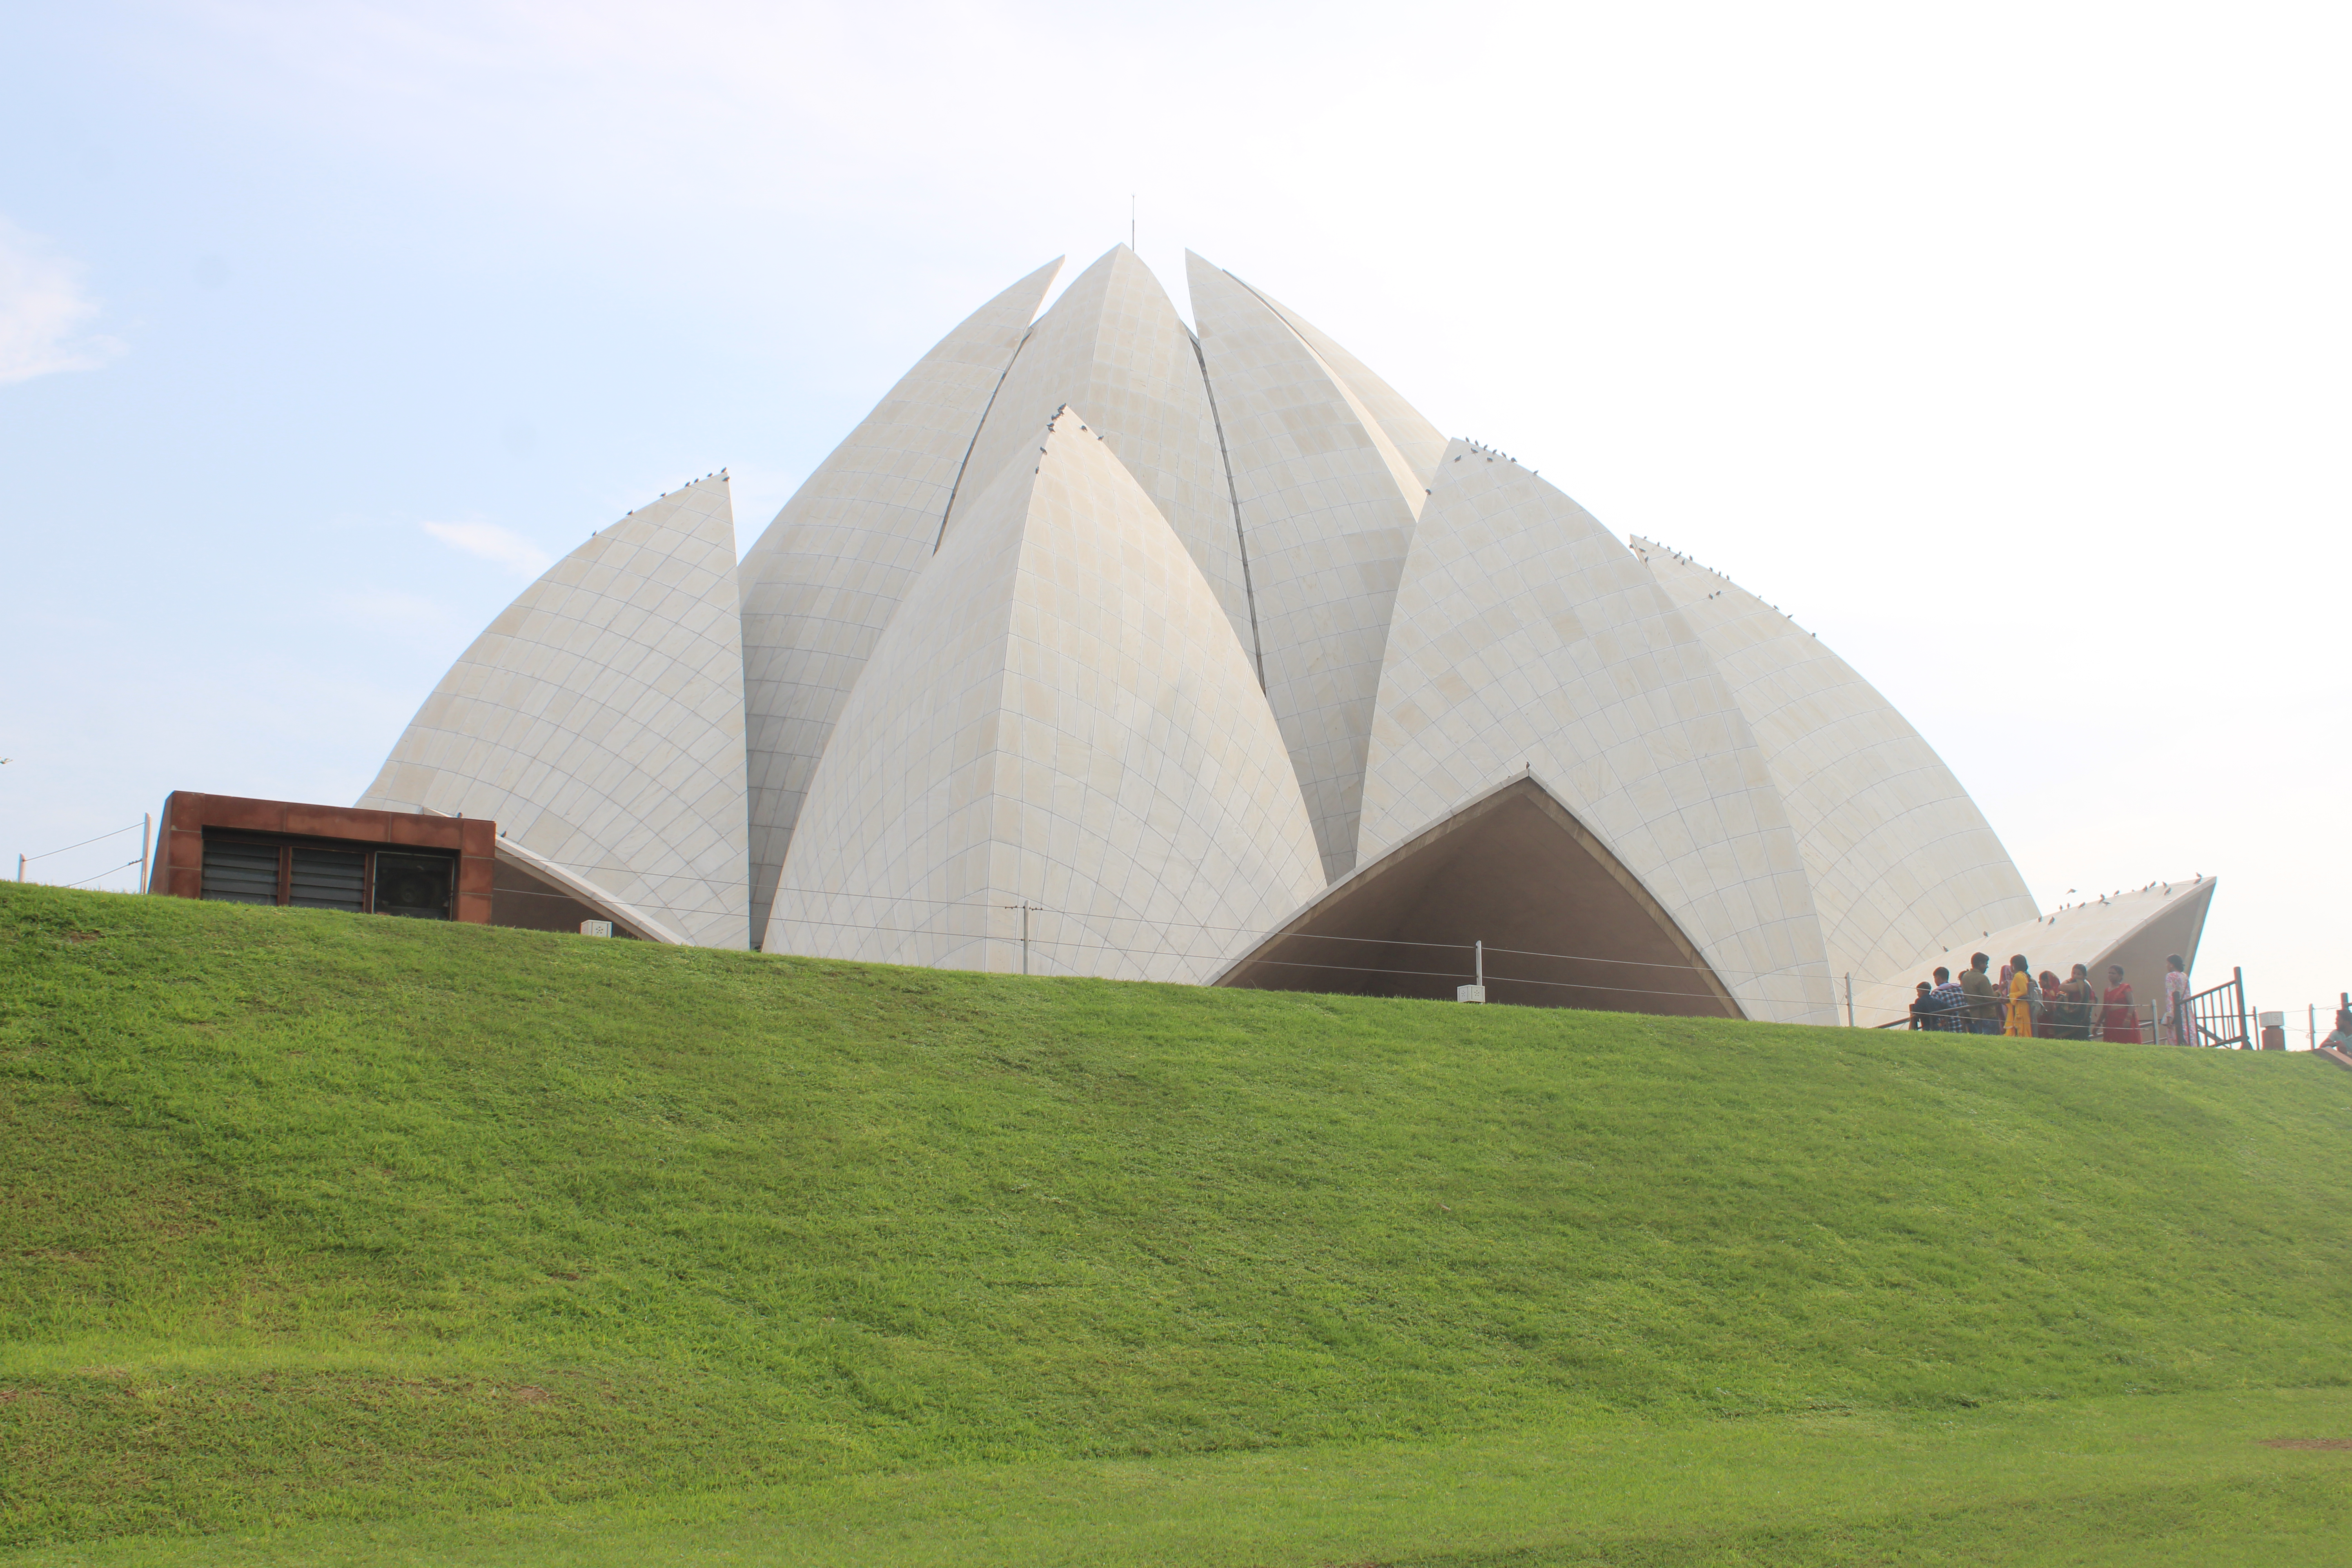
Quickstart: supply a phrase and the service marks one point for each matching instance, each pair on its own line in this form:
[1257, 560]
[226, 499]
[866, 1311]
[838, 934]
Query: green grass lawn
[345, 1241]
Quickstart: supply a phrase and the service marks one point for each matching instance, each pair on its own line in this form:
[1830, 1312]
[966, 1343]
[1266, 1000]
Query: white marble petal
[1902, 862]
[1415, 438]
[1060, 718]
[1526, 638]
[1328, 505]
[1114, 346]
[825, 578]
[599, 721]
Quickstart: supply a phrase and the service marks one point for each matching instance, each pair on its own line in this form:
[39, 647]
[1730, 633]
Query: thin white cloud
[491, 543]
[43, 307]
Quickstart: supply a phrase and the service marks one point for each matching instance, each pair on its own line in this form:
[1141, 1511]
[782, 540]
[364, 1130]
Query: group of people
[2023, 1004]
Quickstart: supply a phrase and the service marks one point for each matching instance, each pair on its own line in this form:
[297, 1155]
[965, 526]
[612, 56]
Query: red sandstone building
[229, 849]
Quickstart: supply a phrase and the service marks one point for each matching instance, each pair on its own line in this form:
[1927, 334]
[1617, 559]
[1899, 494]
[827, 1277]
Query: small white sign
[595, 928]
[1469, 992]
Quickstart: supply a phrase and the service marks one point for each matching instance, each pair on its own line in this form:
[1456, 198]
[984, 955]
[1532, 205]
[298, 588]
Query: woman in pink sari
[2178, 1029]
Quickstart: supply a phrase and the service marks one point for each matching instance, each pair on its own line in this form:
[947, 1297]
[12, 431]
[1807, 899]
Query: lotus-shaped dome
[1103, 647]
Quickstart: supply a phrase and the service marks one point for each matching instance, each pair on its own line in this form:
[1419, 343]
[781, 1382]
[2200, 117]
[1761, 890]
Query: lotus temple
[1110, 646]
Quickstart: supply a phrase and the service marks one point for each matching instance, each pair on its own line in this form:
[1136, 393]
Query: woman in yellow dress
[2019, 1021]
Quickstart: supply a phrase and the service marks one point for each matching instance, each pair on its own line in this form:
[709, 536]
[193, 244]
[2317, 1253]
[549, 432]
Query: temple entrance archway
[1565, 923]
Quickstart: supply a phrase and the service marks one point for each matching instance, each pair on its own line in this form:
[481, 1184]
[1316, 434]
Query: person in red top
[2118, 1019]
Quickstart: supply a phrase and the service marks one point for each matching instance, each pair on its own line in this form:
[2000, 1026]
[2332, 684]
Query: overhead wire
[1263, 935]
[86, 843]
[110, 871]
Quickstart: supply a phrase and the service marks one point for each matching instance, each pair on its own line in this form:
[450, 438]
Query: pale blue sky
[2003, 346]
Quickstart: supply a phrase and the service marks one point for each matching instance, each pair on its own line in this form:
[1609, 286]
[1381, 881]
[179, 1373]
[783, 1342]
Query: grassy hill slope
[307, 1217]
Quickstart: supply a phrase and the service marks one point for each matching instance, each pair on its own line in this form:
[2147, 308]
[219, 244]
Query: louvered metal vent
[240, 873]
[329, 879]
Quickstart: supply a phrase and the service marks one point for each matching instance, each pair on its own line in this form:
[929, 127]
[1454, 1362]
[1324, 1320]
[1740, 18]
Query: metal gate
[2219, 1016]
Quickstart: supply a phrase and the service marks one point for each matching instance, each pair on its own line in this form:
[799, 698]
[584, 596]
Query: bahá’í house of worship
[1107, 647]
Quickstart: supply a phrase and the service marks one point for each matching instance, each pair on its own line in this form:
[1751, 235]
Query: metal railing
[2216, 1016]
[2219, 1016]
[2144, 1016]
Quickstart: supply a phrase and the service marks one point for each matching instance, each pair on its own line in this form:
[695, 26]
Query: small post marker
[1475, 993]
[595, 928]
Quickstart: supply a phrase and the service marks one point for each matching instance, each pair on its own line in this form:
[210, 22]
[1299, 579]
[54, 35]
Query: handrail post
[2238, 976]
[1476, 990]
[146, 826]
[1849, 998]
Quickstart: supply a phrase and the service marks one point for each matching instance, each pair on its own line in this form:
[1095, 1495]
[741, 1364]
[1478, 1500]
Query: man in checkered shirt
[1949, 1005]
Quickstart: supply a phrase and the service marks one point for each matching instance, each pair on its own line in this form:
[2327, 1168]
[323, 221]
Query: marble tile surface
[599, 720]
[1062, 718]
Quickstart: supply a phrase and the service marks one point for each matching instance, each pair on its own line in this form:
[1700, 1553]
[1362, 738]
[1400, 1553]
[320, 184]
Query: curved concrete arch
[1327, 507]
[1060, 719]
[1114, 346]
[1564, 922]
[552, 898]
[823, 580]
[1901, 861]
[599, 720]
[1526, 638]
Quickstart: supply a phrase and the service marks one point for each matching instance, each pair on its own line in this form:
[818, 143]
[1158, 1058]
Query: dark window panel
[418, 886]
